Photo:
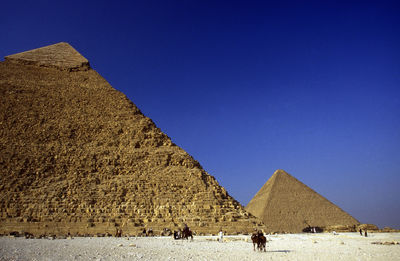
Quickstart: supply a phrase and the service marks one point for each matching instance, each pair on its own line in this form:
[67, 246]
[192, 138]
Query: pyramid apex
[280, 171]
[60, 55]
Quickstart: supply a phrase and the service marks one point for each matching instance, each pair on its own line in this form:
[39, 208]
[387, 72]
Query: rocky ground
[344, 246]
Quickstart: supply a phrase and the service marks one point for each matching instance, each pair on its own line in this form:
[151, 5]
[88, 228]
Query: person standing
[221, 236]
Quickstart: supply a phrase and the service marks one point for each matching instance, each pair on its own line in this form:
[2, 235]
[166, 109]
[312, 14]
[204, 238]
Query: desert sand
[344, 246]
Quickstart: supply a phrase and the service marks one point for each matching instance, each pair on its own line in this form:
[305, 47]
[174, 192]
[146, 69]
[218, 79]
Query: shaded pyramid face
[76, 156]
[285, 204]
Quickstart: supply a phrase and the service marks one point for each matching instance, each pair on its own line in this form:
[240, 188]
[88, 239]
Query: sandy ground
[345, 246]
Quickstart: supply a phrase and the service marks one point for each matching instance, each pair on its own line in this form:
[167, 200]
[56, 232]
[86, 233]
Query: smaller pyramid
[285, 204]
[61, 55]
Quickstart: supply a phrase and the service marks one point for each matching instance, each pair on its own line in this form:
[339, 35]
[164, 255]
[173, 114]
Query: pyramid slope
[61, 55]
[76, 156]
[287, 205]
[260, 201]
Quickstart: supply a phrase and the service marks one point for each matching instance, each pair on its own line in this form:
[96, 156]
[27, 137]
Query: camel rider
[186, 228]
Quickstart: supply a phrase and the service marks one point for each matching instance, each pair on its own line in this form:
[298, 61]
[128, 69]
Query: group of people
[258, 238]
[365, 233]
[183, 234]
[148, 232]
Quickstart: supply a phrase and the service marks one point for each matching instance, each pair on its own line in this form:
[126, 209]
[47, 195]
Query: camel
[260, 240]
[186, 233]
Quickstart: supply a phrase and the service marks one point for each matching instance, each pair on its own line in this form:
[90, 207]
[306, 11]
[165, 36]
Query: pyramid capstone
[61, 55]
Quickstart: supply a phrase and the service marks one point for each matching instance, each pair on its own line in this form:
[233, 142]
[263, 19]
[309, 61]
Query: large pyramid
[76, 156]
[287, 205]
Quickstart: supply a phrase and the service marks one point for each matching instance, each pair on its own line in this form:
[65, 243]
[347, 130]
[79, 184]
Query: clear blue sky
[248, 87]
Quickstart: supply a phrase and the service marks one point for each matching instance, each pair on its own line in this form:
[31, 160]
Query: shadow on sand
[279, 251]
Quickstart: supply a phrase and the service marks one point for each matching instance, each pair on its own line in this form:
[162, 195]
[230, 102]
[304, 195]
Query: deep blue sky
[248, 87]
